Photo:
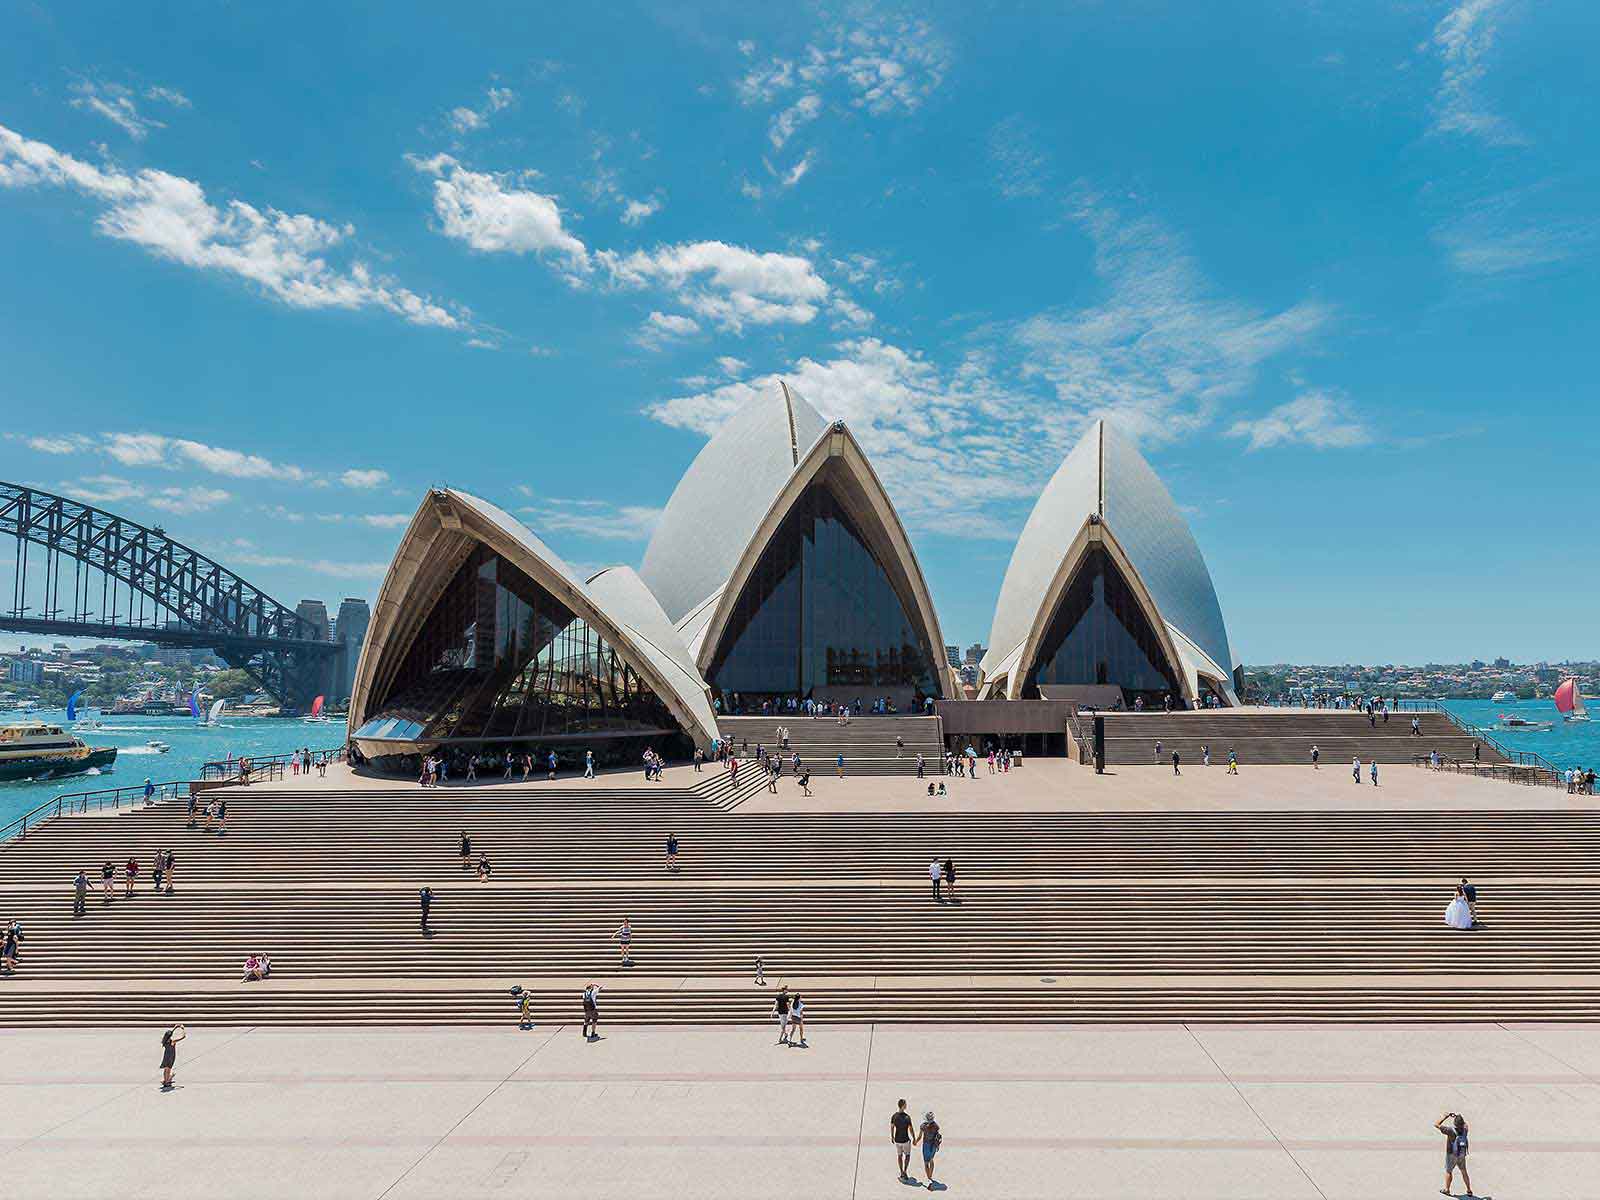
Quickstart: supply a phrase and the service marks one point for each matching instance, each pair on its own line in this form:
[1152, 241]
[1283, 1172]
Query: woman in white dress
[1458, 915]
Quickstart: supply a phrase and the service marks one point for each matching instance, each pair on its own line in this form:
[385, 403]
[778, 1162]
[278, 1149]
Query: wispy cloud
[636, 212]
[113, 489]
[362, 479]
[1464, 40]
[119, 105]
[1513, 232]
[1319, 419]
[321, 566]
[660, 328]
[964, 447]
[496, 215]
[286, 255]
[591, 518]
[464, 119]
[728, 285]
[1021, 167]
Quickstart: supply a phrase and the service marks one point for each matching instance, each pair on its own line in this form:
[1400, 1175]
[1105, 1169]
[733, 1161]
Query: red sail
[316, 707]
[1567, 695]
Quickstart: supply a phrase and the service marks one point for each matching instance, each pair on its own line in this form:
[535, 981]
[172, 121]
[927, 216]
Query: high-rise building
[349, 633]
[952, 655]
[975, 652]
[26, 670]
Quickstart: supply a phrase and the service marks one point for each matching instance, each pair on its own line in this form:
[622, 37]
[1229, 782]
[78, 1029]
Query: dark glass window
[819, 611]
[1098, 634]
[500, 659]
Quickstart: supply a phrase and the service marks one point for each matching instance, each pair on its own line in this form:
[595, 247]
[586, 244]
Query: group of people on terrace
[735, 704]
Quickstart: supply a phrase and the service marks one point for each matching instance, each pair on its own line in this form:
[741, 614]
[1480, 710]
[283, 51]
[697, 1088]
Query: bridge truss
[80, 571]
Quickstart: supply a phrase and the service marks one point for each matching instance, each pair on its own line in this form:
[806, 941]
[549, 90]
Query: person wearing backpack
[930, 1139]
[1454, 1128]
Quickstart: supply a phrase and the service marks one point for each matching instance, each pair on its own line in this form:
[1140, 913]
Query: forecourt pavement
[1237, 1111]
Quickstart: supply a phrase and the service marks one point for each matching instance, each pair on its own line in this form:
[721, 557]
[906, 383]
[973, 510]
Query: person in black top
[900, 1138]
[949, 873]
[780, 1009]
[80, 889]
[425, 900]
[107, 874]
[466, 850]
[169, 1054]
[672, 852]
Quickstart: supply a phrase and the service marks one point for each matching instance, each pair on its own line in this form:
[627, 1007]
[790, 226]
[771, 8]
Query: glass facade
[500, 660]
[819, 611]
[1098, 634]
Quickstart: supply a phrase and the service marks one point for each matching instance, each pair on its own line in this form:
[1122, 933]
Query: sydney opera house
[779, 570]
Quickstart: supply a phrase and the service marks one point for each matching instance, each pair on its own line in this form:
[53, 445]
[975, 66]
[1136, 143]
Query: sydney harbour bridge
[79, 571]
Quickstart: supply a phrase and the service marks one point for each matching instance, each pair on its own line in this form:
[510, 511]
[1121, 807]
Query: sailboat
[1569, 700]
[316, 711]
[215, 713]
[194, 704]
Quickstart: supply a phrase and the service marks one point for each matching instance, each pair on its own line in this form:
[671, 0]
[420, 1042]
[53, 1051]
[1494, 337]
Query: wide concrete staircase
[1062, 916]
[1265, 737]
[867, 742]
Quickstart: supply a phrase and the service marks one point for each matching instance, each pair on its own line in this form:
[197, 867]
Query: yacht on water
[1523, 723]
[1569, 700]
[39, 751]
[1504, 697]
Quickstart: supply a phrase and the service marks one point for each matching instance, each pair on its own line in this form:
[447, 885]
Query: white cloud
[466, 120]
[797, 114]
[169, 216]
[729, 286]
[66, 443]
[965, 447]
[637, 211]
[1160, 353]
[116, 104]
[167, 95]
[1463, 40]
[157, 450]
[385, 520]
[798, 172]
[1319, 419]
[113, 489]
[357, 478]
[322, 566]
[730, 365]
[491, 214]
[883, 63]
[672, 324]
[592, 518]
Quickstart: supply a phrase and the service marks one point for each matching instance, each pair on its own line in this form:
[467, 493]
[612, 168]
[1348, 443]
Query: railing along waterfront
[1527, 774]
[81, 802]
[263, 766]
[1522, 758]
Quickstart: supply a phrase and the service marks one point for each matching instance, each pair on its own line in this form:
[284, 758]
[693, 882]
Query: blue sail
[72, 705]
[194, 703]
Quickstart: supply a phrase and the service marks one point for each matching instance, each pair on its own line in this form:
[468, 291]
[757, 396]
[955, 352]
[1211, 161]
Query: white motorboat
[1504, 698]
[158, 746]
[1510, 721]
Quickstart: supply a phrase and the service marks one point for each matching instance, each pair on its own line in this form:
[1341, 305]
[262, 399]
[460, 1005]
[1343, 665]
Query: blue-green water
[1565, 743]
[193, 745]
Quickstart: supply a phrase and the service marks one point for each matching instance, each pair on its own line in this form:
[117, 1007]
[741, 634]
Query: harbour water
[1564, 744]
[193, 745]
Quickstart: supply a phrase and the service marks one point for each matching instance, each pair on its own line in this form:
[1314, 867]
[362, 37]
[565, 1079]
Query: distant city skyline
[1333, 274]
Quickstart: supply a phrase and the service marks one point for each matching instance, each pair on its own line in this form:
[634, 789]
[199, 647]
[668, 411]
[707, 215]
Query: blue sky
[267, 273]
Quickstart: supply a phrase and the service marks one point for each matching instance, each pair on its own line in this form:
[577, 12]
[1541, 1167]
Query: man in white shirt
[936, 873]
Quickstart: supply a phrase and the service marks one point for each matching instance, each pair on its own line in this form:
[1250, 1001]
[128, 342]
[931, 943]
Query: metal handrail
[265, 766]
[82, 802]
[1524, 773]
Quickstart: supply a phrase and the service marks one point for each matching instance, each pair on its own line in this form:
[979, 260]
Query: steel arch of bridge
[204, 603]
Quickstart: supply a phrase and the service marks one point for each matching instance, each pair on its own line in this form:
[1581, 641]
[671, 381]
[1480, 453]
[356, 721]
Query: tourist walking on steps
[169, 1054]
[672, 852]
[900, 1139]
[1205, 755]
[425, 902]
[1315, 754]
[588, 764]
[1454, 1128]
[1175, 770]
[1372, 770]
[930, 1138]
[839, 764]
[936, 873]
[797, 1020]
[899, 745]
[591, 1012]
[551, 763]
[805, 783]
[1233, 762]
[466, 850]
[761, 972]
[922, 765]
[80, 891]
[624, 939]
[950, 880]
[130, 876]
[107, 874]
[1158, 750]
[1355, 768]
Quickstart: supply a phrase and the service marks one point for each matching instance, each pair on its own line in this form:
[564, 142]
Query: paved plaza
[1269, 1111]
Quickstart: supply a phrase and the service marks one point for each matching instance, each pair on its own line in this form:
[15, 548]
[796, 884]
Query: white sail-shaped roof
[723, 496]
[1106, 478]
[444, 531]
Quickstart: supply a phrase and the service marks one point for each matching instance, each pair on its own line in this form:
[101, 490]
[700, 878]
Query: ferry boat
[1504, 698]
[39, 751]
